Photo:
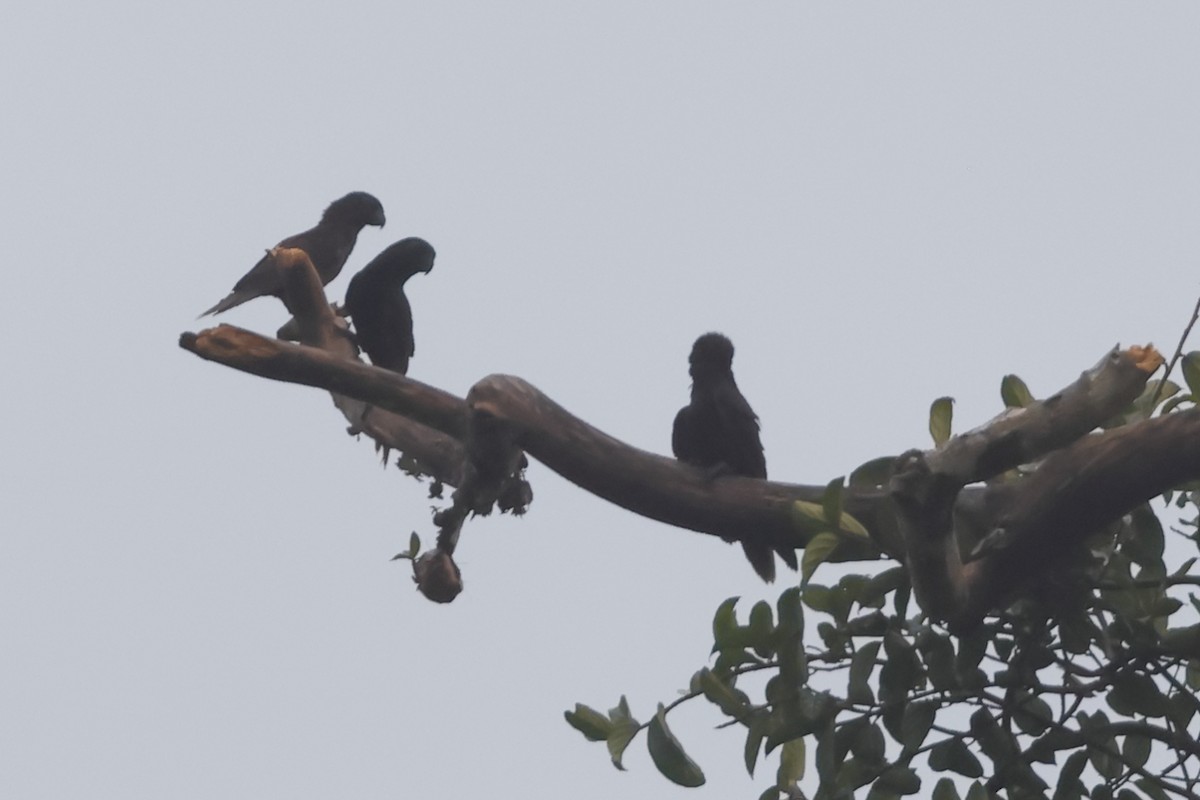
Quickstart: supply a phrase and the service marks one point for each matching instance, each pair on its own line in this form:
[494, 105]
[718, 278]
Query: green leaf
[786, 724]
[1136, 693]
[849, 525]
[978, 792]
[1151, 789]
[668, 754]
[1022, 781]
[883, 584]
[725, 626]
[945, 790]
[729, 660]
[954, 755]
[620, 737]
[869, 744]
[902, 669]
[818, 550]
[1147, 544]
[941, 415]
[854, 585]
[1136, 750]
[1175, 402]
[872, 624]
[755, 733]
[900, 601]
[809, 516]
[732, 702]
[1077, 631]
[790, 612]
[793, 662]
[846, 734]
[620, 713]
[992, 739]
[899, 780]
[1140, 408]
[1031, 713]
[762, 629]
[861, 666]
[1191, 371]
[591, 723]
[1069, 786]
[819, 598]
[1014, 392]
[1045, 748]
[816, 707]
[831, 502]
[874, 474]
[918, 719]
[938, 654]
[414, 547]
[812, 517]
[971, 649]
[1183, 708]
[625, 727]
[834, 638]
[791, 764]
[1105, 762]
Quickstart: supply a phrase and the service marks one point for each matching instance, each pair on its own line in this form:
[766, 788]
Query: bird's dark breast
[693, 440]
[382, 321]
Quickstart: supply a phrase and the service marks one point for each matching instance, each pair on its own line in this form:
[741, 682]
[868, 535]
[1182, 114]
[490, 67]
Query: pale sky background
[880, 203]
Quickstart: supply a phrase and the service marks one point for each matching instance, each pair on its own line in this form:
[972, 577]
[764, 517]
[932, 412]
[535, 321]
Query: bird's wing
[404, 321]
[683, 435]
[742, 447]
[262, 279]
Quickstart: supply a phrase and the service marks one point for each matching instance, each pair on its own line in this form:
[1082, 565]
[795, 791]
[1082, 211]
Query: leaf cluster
[1083, 687]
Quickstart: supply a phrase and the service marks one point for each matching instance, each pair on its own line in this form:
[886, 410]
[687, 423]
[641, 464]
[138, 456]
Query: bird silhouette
[718, 430]
[376, 303]
[328, 245]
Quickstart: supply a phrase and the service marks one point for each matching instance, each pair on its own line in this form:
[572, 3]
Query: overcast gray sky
[880, 203]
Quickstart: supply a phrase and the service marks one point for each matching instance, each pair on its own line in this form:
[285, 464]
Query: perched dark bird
[375, 301]
[718, 430]
[328, 245]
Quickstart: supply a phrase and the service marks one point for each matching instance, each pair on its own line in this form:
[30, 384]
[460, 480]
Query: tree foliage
[1083, 686]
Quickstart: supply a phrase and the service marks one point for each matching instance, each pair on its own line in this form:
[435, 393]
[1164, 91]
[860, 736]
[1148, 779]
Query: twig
[1175, 358]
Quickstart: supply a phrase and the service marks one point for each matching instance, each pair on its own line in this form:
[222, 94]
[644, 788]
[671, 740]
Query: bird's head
[357, 208]
[711, 354]
[406, 257]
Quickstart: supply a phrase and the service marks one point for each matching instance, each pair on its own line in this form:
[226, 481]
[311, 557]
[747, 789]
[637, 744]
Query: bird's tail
[761, 557]
[234, 298]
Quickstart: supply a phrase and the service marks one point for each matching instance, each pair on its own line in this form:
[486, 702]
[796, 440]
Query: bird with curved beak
[378, 307]
[328, 245]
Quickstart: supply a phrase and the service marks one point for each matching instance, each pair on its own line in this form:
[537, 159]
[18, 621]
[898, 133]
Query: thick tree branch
[1022, 435]
[1076, 492]
[425, 422]
[651, 485]
[927, 488]
[476, 444]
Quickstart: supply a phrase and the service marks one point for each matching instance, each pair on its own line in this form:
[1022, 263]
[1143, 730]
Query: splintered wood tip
[1147, 359]
[287, 257]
